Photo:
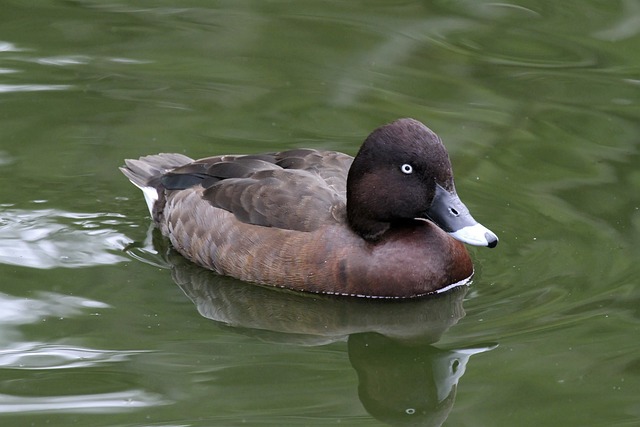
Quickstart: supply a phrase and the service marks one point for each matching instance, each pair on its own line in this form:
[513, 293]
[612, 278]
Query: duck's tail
[146, 172]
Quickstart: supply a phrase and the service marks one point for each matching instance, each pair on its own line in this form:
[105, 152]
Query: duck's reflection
[407, 383]
[403, 378]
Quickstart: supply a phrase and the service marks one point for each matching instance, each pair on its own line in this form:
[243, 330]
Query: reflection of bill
[407, 384]
[403, 378]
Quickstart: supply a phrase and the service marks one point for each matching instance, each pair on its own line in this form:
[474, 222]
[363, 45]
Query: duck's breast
[331, 259]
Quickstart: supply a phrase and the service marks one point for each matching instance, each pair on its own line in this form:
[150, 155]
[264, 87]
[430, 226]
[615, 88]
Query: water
[537, 102]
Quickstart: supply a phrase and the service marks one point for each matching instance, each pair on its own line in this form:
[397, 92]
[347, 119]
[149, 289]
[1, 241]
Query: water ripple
[64, 60]
[8, 47]
[626, 27]
[40, 356]
[50, 238]
[32, 88]
[20, 311]
[85, 403]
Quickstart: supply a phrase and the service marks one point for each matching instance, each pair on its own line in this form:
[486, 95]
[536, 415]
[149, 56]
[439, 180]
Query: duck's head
[403, 173]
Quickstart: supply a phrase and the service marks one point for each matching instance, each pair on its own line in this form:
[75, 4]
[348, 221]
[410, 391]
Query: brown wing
[297, 189]
[331, 166]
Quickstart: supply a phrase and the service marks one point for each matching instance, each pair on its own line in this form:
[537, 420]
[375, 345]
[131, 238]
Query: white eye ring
[406, 168]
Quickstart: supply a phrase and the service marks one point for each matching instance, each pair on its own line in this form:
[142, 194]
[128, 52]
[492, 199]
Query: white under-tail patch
[150, 196]
[148, 169]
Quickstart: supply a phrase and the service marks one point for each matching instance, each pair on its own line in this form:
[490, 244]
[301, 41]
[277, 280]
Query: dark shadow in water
[403, 378]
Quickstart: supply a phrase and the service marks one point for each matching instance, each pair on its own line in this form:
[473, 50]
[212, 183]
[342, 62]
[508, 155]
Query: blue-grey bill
[449, 213]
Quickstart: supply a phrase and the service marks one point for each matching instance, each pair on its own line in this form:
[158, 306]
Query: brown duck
[387, 223]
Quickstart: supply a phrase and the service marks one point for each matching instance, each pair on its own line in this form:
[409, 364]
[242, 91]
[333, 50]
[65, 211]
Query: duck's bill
[450, 214]
[477, 235]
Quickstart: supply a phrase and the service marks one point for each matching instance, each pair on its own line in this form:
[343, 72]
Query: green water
[538, 104]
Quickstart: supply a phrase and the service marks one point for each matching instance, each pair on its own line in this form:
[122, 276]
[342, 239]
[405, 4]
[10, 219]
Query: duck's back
[299, 190]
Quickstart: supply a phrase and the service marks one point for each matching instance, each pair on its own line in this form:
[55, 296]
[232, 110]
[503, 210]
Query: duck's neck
[364, 212]
[368, 229]
[364, 216]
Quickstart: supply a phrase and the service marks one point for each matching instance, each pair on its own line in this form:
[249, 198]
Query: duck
[387, 223]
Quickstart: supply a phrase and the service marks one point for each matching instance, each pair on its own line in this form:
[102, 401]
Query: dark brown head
[402, 173]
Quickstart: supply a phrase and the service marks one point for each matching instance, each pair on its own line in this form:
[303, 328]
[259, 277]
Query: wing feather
[290, 199]
[298, 189]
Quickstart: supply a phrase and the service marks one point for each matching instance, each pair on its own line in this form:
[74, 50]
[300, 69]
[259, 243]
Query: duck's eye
[406, 168]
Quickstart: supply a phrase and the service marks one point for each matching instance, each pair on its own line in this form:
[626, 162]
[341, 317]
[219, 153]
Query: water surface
[537, 102]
